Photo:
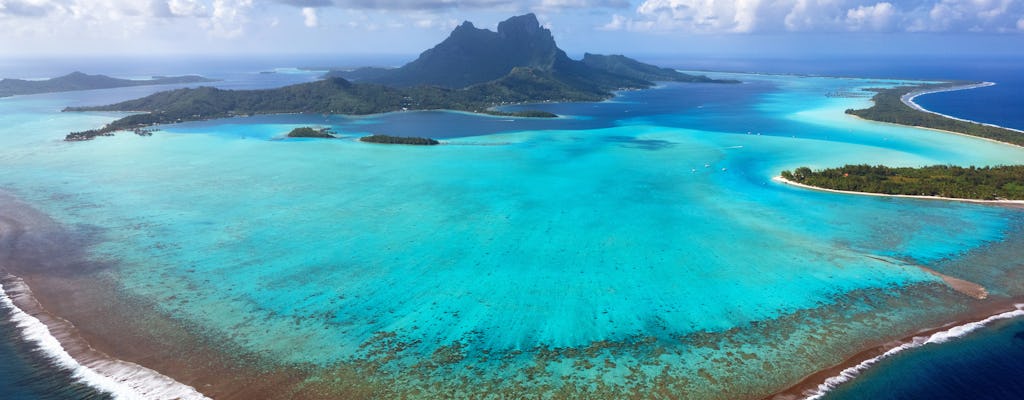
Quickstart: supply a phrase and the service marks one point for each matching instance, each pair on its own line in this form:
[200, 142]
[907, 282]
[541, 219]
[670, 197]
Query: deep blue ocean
[986, 364]
[25, 373]
[1000, 104]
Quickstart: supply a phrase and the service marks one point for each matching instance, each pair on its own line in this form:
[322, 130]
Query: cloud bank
[746, 16]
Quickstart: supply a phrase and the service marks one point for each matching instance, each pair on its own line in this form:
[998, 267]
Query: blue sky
[701, 27]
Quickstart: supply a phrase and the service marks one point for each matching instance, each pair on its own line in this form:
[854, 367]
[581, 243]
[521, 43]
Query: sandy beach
[817, 384]
[1012, 203]
[908, 99]
[122, 337]
[104, 338]
[814, 385]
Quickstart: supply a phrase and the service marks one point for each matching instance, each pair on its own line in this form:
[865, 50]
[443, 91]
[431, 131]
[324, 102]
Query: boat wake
[939, 337]
[121, 379]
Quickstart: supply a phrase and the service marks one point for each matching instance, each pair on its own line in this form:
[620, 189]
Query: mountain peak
[472, 55]
[525, 24]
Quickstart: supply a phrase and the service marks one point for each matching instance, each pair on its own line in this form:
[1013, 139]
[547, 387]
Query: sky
[407, 27]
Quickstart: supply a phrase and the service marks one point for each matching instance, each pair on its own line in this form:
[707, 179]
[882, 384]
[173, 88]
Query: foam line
[122, 379]
[938, 337]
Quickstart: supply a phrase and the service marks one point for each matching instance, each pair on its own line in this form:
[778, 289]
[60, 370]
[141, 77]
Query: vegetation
[93, 133]
[79, 81]
[985, 183]
[358, 74]
[522, 114]
[309, 132]
[385, 139]
[625, 66]
[473, 70]
[889, 107]
[335, 96]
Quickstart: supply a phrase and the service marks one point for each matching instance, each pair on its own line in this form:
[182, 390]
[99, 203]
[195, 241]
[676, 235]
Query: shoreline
[908, 99]
[80, 322]
[942, 130]
[816, 385]
[60, 342]
[1012, 203]
[937, 331]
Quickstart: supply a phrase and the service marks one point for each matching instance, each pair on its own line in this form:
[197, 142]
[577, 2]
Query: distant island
[473, 70]
[891, 105]
[894, 105]
[943, 181]
[385, 139]
[310, 132]
[80, 81]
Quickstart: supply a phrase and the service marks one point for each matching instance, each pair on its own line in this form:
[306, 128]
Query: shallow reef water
[637, 245]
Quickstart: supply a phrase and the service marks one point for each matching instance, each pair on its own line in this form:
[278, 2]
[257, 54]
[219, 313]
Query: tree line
[889, 107]
[980, 183]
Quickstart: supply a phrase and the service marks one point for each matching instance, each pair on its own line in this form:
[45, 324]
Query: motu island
[895, 105]
[497, 218]
[944, 181]
[385, 139]
[80, 81]
[473, 70]
[310, 132]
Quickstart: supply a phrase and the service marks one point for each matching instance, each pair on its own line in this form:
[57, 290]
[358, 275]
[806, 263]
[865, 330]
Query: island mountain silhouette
[472, 70]
[81, 81]
[471, 55]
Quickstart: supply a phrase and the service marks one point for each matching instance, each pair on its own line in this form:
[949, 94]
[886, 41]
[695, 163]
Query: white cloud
[426, 20]
[580, 4]
[878, 17]
[27, 8]
[309, 17]
[699, 15]
[229, 17]
[186, 8]
[967, 16]
[742, 16]
[811, 15]
[617, 23]
[1020, 24]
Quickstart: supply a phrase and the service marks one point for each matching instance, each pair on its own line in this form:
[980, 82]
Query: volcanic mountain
[472, 70]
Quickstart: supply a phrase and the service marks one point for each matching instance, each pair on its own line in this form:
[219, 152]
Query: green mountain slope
[625, 66]
[472, 70]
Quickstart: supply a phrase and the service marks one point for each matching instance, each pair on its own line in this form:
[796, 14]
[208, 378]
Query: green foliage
[472, 70]
[985, 183]
[625, 66]
[522, 114]
[889, 107]
[309, 132]
[385, 139]
[336, 96]
[471, 55]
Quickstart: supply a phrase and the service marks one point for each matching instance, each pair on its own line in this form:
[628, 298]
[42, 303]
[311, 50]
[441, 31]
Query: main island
[591, 228]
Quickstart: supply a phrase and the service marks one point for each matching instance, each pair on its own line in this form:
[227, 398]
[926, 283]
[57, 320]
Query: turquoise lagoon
[634, 246]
